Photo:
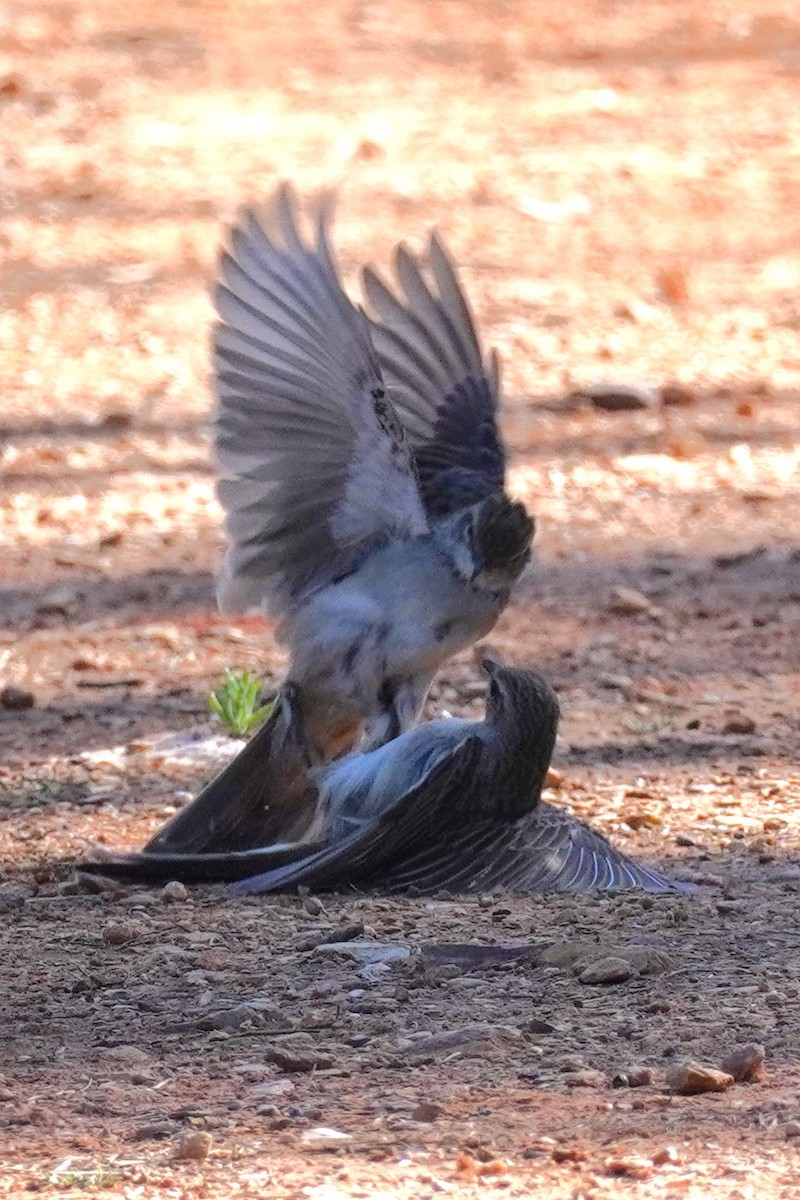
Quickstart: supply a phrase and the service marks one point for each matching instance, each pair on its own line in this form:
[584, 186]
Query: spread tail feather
[224, 867]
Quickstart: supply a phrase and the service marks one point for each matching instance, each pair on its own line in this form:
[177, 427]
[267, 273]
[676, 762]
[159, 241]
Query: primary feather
[313, 463]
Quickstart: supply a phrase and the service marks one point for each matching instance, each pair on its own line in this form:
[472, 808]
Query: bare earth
[620, 182]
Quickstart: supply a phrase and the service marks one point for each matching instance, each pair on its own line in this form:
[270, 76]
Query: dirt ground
[620, 182]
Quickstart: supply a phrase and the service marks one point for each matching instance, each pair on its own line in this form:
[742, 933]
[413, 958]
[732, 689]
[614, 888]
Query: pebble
[173, 892]
[740, 725]
[154, 1131]
[119, 933]
[791, 1129]
[568, 1154]
[587, 1078]
[631, 1166]
[323, 1135]
[272, 1088]
[607, 970]
[300, 1062]
[16, 698]
[127, 1054]
[618, 397]
[666, 1155]
[58, 600]
[194, 1145]
[692, 1078]
[745, 1063]
[634, 1077]
[427, 1112]
[615, 682]
[628, 602]
[677, 395]
[313, 906]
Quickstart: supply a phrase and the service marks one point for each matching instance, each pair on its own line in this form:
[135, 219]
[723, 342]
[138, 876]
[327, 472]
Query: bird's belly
[399, 621]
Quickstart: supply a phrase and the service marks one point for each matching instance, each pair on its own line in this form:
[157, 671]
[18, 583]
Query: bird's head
[501, 533]
[521, 694]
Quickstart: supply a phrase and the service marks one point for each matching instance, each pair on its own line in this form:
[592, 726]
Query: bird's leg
[401, 702]
[294, 729]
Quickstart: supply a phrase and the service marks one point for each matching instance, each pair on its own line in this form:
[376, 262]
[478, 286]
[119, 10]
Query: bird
[362, 475]
[450, 804]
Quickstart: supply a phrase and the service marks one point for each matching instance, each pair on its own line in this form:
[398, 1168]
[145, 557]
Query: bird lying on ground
[449, 804]
[362, 472]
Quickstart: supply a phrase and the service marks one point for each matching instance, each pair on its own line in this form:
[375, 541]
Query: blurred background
[619, 183]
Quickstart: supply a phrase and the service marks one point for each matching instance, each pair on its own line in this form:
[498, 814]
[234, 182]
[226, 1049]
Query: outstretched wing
[444, 390]
[545, 851]
[313, 462]
[408, 824]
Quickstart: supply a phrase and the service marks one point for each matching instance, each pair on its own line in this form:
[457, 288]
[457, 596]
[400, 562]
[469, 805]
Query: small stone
[313, 905]
[634, 1077]
[692, 1078]
[677, 395]
[628, 602]
[173, 892]
[127, 1054]
[739, 724]
[618, 397]
[70, 887]
[667, 1155]
[571, 1062]
[535, 1025]
[298, 1061]
[194, 1146]
[15, 699]
[119, 933]
[494, 1166]
[607, 970]
[568, 1154]
[745, 1063]
[155, 1131]
[271, 1089]
[58, 600]
[615, 681]
[322, 1135]
[587, 1078]
[791, 1129]
[630, 1166]
[116, 419]
[426, 1112]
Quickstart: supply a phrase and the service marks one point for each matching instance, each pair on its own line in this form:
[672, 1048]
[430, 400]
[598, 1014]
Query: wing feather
[545, 851]
[313, 462]
[409, 823]
[444, 389]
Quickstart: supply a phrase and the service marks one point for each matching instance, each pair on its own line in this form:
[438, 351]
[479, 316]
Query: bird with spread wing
[450, 804]
[362, 473]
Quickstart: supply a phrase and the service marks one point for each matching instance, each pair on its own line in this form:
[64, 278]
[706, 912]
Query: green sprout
[88, 1179]
[235, 702]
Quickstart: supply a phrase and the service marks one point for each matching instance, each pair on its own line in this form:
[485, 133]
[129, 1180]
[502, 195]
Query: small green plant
[84, 1179]
[235, 702]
